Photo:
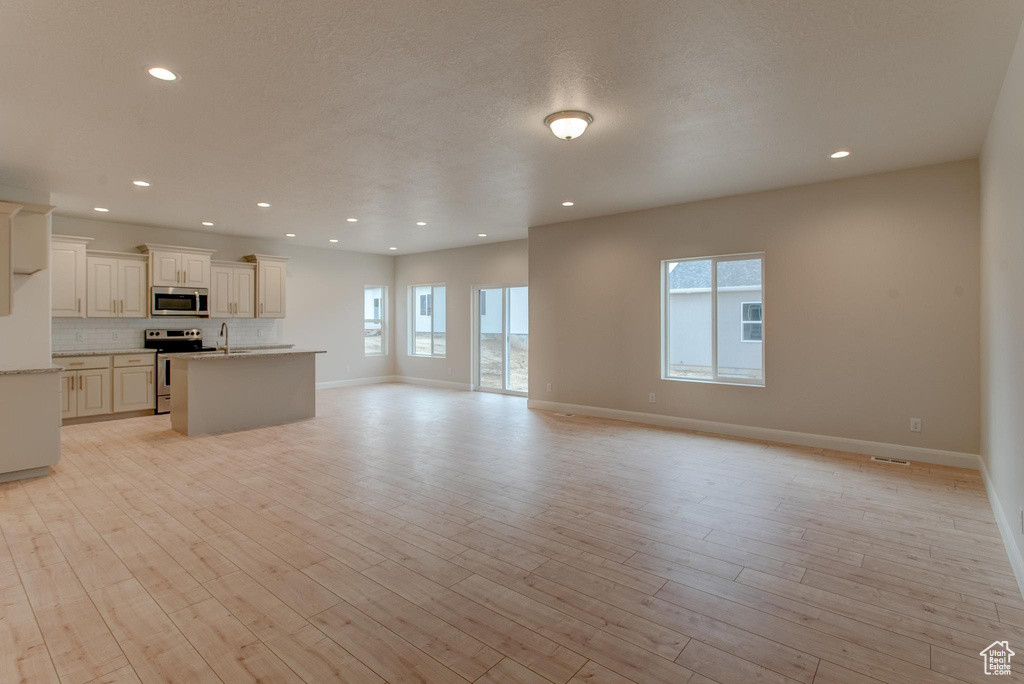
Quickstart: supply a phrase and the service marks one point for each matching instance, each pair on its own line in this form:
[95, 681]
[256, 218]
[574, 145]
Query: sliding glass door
[502, 338]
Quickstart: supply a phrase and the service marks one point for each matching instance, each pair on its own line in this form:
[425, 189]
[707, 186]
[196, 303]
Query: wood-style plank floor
[420, 535]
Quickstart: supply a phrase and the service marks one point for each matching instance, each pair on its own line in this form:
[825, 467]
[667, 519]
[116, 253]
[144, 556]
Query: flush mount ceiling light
[207, 223]
[289, 234]
[567, 204]
[392, 248]
[421, 223]
[481, 234]
[333, 240]
[351, 220]
[840, 154]
[141, 183]
[263, 205]
[163, 73]
[568, 124]
[102, 210]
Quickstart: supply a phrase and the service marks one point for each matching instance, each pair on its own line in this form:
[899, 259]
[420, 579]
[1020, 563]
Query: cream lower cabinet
[85, 393]
[68, 394]
[134, 389]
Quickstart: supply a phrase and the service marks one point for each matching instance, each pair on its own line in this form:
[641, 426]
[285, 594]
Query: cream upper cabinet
[116, 285]
[67, 276]
[271, 277]
[173, 266]
[232, 290]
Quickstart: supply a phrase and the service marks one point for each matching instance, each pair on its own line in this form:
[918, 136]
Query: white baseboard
[441, 384]
[859, 446]
[1005, 528]
[331, 384]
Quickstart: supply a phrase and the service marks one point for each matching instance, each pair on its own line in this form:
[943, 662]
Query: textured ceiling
[397, 111]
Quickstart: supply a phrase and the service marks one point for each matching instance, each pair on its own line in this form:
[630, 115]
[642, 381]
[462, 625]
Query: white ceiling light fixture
[207, 223]
[263, 205]
[163, 73]
[840, 154]
[481, 234]
[392, 248]
[289, 234]
[351, 220]
[102, 210]
[421, 223]
[333, 240]
[569, 124]
[567, 204]
[141, 183]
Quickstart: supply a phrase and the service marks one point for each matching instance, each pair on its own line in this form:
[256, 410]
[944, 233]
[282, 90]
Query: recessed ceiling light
[207, 223]
[421, 223]
[289, 234]
[567, 204]
[351, 220]
[141, 184]
[392, 248]
[333, 240]
[101, 209]
[263, 205]
[162, 73]
[840, 154]
[568, 124]
[481, 234]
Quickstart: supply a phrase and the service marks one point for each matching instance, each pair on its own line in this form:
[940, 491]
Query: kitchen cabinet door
[195, 270]
[166, 268]
[93, 392]
[134, 389]
[244, 282]
[68, 394]
[67, 279]
[101, 287]
[133, 300]
[271, 283]
[222, 295]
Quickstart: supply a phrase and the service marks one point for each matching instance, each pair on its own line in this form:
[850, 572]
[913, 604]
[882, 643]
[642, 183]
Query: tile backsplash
[97, 334]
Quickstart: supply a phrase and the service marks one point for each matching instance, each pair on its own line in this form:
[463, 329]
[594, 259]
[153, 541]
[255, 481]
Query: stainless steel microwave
[180, 301]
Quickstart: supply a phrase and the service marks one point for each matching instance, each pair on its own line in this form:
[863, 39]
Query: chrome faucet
[224, 333]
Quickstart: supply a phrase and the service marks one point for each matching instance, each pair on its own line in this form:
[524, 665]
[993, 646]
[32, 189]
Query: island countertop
[246, 354]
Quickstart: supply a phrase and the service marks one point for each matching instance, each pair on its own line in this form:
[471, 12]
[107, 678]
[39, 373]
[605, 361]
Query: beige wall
[1002, 298]
[325, 288]
[871, 307]
[459, 269]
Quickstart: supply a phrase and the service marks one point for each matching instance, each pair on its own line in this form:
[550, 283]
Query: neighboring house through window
[713, 319]
[375, 340]
[427, 324]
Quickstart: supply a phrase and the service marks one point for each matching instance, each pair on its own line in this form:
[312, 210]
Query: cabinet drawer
[73, 363]
[129, 360]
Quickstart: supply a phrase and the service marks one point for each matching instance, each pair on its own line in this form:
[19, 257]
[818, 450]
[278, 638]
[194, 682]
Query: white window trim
[414, 309]
[744, 322]
[382, 321]
[666, 323]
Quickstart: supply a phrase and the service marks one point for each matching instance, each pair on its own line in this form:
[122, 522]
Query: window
[713, 319]
[427, 306]
[375, 320]
[751, 321]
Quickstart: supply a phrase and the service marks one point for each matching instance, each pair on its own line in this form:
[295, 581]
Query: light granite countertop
[100, 352]
[248, 354]
[31, 371]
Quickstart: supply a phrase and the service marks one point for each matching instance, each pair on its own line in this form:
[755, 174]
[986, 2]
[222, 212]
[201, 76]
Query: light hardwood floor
[420, 535]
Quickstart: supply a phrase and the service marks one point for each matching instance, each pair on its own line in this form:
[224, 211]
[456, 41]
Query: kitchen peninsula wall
[325, 298]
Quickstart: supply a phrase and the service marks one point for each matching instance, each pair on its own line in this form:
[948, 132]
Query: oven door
[180, 301]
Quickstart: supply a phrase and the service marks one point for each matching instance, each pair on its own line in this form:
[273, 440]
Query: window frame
[414, 308]
[382, 321]
[666, 327]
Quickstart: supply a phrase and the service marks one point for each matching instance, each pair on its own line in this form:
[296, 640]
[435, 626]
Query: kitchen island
[216, 392]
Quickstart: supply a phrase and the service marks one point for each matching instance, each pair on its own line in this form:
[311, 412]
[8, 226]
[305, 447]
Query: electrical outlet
[650, 397]
[348, 369]
[547, 388]
[915, 424]
[79, 336]
[259, 332]
[115, 335]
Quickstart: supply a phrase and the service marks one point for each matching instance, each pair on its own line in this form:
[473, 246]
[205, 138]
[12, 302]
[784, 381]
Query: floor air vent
[891, 461]
[565, 415]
